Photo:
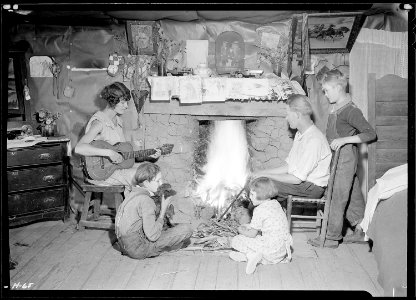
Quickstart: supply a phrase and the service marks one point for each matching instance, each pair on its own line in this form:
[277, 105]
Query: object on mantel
[194, 89]
[203, 71]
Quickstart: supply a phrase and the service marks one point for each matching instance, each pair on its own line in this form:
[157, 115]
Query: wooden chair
[321, 218]
[88, 190]
[93, 195]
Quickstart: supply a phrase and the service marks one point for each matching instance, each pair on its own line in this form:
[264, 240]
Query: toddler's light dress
[275, 241]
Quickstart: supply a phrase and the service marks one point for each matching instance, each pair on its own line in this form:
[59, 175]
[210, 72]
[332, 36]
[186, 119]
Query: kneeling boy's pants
[136, 246]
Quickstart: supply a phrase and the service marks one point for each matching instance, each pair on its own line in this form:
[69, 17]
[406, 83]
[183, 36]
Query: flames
[227, 169]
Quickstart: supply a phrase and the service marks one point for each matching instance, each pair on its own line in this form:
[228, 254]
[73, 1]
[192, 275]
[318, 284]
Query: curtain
[380, 52]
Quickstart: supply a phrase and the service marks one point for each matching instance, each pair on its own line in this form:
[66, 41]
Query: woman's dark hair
[114, 93]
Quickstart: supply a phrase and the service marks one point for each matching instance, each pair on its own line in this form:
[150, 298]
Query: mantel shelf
[196, 90]
[236, 109]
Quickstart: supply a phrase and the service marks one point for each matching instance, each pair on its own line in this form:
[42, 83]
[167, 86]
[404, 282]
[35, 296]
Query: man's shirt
[310, 157]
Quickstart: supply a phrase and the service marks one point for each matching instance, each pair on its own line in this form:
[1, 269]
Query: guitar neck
[139, 153]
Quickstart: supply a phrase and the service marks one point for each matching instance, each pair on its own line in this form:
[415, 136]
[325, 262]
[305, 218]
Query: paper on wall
[190, 89]
[246, 88]
[255, 87]
[161, 88]
[213, 90]
[39, 66]
[196, 53]
[233, 87]
[270, 40]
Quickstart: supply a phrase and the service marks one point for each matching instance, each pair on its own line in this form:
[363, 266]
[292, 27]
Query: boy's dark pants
[135, 245]
[346, 193]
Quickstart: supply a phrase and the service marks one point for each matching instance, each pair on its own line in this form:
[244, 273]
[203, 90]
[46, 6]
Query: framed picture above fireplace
[140, 35]
[333, 32]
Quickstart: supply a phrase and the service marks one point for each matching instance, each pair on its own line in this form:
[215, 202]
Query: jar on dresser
[37, 181]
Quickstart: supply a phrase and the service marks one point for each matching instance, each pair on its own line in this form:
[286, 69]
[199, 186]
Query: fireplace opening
[222, 161]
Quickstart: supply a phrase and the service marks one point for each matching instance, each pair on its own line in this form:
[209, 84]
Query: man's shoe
[356, 237]
[316, 242]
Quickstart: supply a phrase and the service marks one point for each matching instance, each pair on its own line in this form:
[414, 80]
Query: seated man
[138, 228]
[305, 172]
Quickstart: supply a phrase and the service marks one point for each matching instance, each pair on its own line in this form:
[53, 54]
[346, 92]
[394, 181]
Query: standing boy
[346, 128]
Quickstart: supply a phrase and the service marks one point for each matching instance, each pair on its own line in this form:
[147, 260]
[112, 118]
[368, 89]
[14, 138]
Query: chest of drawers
[37, 182]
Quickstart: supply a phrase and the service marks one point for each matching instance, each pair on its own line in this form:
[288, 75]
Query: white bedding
[393, 181]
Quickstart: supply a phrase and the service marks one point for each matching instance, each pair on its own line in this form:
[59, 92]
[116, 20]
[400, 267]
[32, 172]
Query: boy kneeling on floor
[138, 228]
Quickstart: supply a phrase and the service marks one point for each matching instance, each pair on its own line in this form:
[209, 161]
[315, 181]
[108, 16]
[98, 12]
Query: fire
[227, 169]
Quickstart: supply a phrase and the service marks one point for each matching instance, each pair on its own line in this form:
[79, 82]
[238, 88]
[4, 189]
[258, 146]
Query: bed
[385, 224]
[388, 231]
[386, 208]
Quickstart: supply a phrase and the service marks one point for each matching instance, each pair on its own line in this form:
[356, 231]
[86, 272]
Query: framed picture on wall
[15, 101]
[140, 35]
[333, 32]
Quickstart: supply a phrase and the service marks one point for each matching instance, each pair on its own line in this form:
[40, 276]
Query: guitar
[101, 167]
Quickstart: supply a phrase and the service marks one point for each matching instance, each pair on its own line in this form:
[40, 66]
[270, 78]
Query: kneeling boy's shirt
[137, 214]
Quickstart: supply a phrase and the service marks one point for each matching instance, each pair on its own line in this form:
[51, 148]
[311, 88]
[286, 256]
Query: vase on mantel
[277, 68]
[48, 130]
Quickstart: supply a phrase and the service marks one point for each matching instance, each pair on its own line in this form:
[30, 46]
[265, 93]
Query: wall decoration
[273, 47]
[141, 37]
[190, 89]
[39, 66]
[213, 90]
[196, 53]
[229, 52]
[13, 101]
[333, 33]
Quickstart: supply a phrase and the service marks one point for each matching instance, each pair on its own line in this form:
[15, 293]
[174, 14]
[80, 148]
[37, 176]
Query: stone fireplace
[187, 127]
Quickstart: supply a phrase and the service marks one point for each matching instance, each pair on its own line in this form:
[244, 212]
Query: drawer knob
[13, 153]
[15, 173]
[45, 156]
[50, 199]
[49, 178]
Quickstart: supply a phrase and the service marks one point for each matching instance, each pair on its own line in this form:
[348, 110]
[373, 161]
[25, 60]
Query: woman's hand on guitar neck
[114, 156]
[157, 154]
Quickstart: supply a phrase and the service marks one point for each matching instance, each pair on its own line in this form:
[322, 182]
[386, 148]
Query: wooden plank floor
[53, 255]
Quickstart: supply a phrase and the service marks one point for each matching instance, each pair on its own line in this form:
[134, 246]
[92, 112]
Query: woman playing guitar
[106, 125]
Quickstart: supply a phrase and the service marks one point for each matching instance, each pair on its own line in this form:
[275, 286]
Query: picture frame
[140, 36]
[15, 85]
[333, 32]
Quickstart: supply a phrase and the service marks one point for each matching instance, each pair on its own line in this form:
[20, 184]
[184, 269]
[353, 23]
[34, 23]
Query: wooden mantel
[228, 108]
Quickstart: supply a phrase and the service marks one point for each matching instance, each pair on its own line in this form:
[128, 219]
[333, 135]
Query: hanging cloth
[55, 70]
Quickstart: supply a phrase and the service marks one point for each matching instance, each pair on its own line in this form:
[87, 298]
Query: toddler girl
[266, 239]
